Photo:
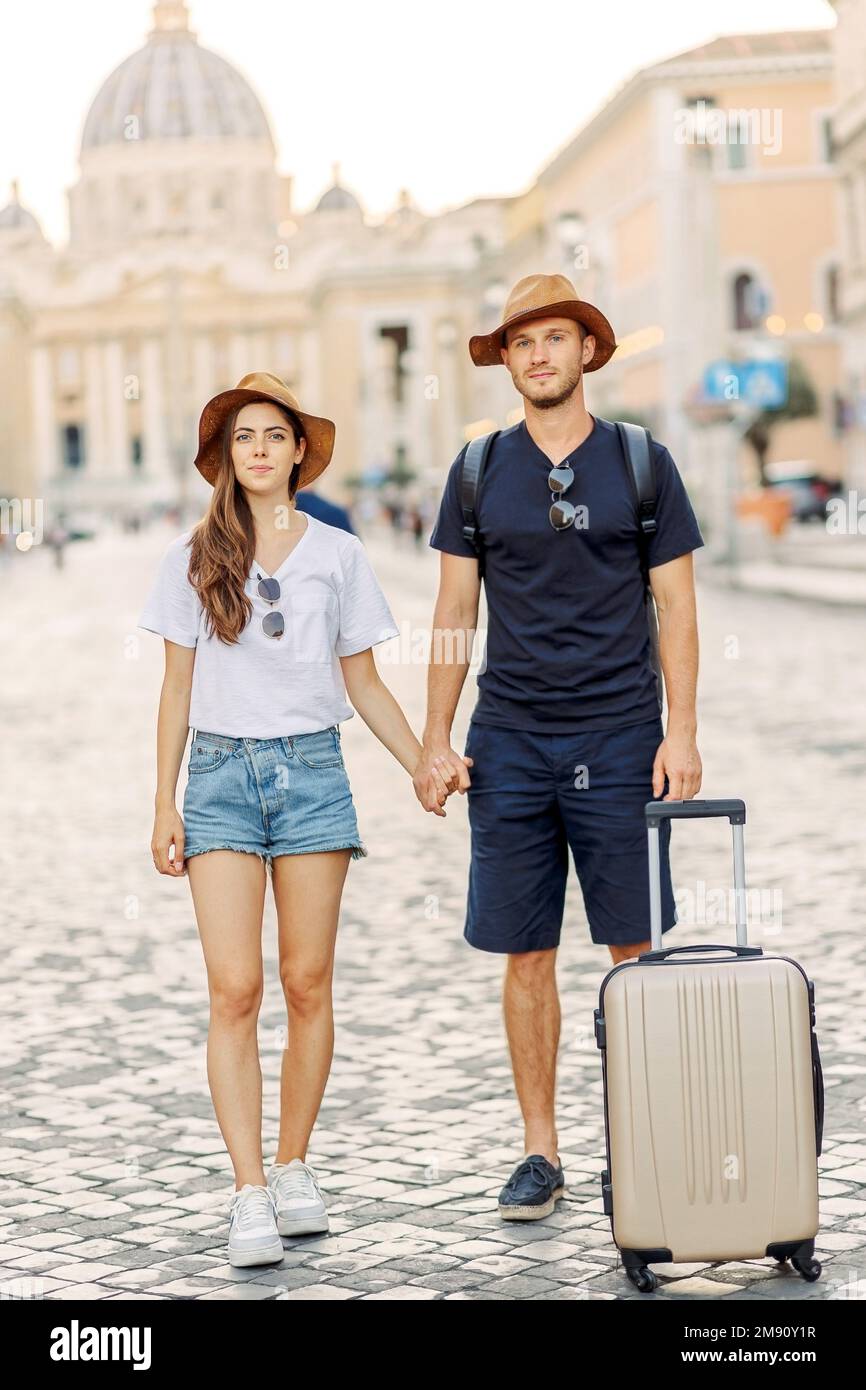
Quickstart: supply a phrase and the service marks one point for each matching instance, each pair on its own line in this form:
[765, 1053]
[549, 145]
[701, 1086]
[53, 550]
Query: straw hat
[545, 296]
[258, 386]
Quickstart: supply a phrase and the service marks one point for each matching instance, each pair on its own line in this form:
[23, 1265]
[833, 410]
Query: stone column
[240, 361]
[156, 460]
[117, 443]
[46, 462]
[95, 438]
[204, 383]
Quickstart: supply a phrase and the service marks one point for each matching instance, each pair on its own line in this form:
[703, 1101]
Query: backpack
[637, 456]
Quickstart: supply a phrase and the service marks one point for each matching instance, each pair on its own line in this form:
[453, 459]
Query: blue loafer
[533, 1190]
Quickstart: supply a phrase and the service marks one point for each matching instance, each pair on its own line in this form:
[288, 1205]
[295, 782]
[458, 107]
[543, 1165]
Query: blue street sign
[764, 384]
[757, 382]
[719, 383]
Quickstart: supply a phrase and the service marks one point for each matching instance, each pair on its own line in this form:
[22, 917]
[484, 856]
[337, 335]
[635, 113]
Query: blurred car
[808, 490]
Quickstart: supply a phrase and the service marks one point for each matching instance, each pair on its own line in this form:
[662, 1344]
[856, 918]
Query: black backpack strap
[636, 442]
[475, 457]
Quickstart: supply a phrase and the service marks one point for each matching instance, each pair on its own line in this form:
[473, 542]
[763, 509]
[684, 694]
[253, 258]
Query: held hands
[440, 772]
[677, 757]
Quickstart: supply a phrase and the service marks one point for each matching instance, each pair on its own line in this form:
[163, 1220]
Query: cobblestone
[114, 1183]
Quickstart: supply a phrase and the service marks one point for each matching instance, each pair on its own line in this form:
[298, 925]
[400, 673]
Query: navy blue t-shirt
[567, 643]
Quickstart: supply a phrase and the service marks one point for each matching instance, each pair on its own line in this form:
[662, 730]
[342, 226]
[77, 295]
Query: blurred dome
[337, 198]
[15, 218]
[176, 89]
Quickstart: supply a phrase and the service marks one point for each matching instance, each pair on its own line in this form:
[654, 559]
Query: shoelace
[297, 1182]
[536, 1170]
[251, 1207]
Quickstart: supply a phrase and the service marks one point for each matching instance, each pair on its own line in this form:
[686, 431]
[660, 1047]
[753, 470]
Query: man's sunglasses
[562, 513]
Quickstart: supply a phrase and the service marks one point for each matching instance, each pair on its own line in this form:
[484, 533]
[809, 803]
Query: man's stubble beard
[549, 402]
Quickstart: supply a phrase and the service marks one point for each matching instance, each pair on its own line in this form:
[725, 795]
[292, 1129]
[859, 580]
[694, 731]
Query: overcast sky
[455, 100]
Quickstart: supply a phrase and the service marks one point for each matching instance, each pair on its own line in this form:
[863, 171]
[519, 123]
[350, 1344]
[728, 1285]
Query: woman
[269, 617]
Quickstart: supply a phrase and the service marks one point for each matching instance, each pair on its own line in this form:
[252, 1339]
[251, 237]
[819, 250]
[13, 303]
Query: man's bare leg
[629, 950]
[532, 1023]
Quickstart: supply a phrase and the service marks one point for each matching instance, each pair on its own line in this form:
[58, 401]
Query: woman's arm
[172, 729]
[381, 713]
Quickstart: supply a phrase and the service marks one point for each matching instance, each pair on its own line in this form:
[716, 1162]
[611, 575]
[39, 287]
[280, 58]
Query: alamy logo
[22, 516]
[77, 1343]
[706, 124]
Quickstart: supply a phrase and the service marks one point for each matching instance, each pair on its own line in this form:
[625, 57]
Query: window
[738, 142]
[750, 302]
[700, 110]
[72, 446]
[398, 337]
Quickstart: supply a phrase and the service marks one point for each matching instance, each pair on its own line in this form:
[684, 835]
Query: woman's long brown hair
[223, 543]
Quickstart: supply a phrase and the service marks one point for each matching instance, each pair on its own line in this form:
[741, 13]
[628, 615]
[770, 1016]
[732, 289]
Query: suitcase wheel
[642, 1278]
[810, 1269]
[801, 1255]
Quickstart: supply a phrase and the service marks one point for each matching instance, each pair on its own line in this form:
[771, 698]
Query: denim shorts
[533, 797]
[269, 796]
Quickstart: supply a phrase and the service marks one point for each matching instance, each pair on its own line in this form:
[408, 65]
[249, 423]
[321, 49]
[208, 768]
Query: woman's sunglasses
[273, 624]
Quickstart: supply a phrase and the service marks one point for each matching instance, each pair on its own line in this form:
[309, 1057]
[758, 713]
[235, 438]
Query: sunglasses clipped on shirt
[561, 513]
[273, 623]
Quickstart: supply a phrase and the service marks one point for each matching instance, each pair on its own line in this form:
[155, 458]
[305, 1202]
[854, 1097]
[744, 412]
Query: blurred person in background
[330, 512]
[58, 539]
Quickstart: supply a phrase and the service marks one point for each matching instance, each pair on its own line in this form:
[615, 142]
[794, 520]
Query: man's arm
[673, 587]
[455, 618]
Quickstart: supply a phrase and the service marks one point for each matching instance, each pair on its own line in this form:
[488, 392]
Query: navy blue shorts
[535, 796]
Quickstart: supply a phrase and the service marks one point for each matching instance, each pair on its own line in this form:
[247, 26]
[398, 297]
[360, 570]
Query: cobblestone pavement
[114, 1181]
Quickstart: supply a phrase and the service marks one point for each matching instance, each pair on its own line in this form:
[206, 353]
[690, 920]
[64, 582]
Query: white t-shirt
[269, 687]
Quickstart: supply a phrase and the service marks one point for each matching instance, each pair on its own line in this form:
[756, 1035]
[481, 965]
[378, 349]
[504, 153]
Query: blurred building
[849, 134]
[696, 208]
[188, 265]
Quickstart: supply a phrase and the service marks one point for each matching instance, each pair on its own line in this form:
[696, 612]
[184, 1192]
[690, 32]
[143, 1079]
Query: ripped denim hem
[239, 849]
[359, 850]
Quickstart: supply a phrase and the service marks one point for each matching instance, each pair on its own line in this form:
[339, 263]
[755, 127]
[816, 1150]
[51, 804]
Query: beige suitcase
[713, 1094]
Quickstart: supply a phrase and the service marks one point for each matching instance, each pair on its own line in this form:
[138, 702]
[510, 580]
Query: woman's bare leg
[307, 893]
[228, 890]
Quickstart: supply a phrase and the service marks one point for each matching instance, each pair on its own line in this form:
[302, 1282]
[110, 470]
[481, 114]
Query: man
[566, 742]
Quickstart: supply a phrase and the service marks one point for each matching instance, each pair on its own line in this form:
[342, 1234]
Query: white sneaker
[253, 1235]
[300, 1205]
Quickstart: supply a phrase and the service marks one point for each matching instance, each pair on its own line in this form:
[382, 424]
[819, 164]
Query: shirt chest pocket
[314, 625]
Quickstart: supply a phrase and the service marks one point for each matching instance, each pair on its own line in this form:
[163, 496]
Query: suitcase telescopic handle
[732, 810]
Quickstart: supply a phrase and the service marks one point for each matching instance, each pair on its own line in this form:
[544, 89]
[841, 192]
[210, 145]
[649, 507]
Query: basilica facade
[188, 266]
